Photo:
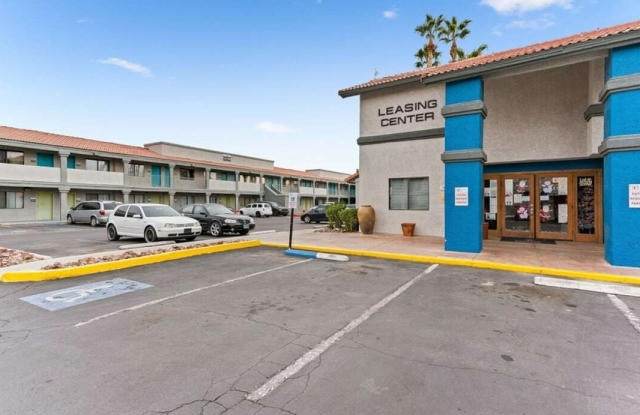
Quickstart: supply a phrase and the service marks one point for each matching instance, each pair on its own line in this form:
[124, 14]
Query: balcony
[94, 177]
[244, 187]
[321, 192]
[25, 173]
[222, 186]
[306, 191]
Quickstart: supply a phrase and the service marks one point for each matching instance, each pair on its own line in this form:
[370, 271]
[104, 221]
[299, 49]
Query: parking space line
[624, 309]
[279, 378]
[182, 294]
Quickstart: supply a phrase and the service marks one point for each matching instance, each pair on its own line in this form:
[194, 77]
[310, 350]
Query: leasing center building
[538, 142]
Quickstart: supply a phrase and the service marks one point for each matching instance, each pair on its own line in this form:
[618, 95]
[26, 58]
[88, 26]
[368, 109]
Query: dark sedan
[316, 214]
[218, 219]
[278, 209]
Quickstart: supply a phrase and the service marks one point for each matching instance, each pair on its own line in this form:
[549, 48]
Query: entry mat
[81, 294]
[528, 240]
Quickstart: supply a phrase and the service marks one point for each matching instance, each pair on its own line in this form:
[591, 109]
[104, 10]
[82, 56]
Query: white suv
[151, 222]
[257, 210]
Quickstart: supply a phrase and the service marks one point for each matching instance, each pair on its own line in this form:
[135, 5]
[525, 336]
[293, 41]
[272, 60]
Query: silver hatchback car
[93, 212]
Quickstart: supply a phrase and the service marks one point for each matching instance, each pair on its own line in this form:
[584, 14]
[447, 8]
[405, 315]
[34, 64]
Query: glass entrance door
[555, 204]
[517, 204]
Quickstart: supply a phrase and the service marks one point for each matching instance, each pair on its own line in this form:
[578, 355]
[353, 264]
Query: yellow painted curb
[54, 274]
[473, 263]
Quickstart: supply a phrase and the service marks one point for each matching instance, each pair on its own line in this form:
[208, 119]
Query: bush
[349, 219]
[333, 215]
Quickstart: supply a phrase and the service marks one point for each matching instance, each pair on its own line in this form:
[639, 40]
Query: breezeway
[214, 330]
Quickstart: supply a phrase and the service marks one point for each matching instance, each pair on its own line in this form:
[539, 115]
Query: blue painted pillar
[464, 113]
[621, 152]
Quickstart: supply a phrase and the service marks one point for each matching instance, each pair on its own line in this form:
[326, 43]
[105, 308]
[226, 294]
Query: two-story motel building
[540, 142]
[43, 174]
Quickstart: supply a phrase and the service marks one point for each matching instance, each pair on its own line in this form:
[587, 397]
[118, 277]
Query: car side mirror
[137, 216]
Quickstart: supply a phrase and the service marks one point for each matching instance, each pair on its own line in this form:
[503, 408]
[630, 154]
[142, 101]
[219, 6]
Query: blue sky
[254, 77]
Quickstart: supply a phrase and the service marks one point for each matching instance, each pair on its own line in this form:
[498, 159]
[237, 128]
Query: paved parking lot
[378, 337]
[65, 240]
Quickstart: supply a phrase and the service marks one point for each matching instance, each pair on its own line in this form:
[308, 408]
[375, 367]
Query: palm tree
[430, 30]
[421, 58]
[451, 32]
[473, 54]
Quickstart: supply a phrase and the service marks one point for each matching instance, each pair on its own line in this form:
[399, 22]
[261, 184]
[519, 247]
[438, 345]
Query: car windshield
[159, 211]
[110, 205]
[218, 210]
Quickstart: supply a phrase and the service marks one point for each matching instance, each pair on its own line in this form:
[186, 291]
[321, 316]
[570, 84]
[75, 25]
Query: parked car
[316, 214]
[218, 219]
[151, 222]
[94, 212]
[257, 209]
[278, 209]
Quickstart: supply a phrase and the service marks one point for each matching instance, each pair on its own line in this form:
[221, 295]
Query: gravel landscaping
[10, 257]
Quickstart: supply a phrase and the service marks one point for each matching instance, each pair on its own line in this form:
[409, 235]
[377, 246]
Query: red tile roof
[496, 57]
[78, 143]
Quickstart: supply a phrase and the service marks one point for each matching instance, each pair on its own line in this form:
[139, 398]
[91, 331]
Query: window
[11, 157]
[200, 210]
[121, 211]
[156, 211]
[110, 205]
[134, 210]
[99, 165]
[306, 183]
[11, 200]
[187, 209]
[136, 198]
[90, 206]
[136, 170]
[409, 194]
[98, 196]
[225, 175]
[187, 174]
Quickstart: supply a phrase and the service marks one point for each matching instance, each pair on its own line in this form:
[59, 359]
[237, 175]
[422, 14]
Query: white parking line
[279, 378]
[624, 309]
[182, 294]
[261, 232]
[599, 287]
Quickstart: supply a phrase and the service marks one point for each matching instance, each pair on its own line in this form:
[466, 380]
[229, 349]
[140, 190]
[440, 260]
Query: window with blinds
[409, 194]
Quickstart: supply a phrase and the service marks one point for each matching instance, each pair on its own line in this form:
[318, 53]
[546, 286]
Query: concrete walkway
[568, 255]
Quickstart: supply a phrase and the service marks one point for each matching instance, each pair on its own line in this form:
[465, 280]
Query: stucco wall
[538, 115]
[419, 158]
[374, 103]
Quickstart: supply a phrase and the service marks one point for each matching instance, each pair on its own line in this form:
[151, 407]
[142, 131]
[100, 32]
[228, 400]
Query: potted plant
[408, 228]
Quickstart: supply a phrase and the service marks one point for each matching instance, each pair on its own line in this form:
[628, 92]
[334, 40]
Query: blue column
[464, 114]
[621, 151]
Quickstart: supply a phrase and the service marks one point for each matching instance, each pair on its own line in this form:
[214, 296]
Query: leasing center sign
[410, 112]
[396, 111]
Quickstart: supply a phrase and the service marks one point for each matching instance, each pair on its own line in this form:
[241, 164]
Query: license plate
[245, 226]
[187, 230]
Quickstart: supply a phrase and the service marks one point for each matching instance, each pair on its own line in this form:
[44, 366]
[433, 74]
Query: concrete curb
[70, 272]
[472, 263]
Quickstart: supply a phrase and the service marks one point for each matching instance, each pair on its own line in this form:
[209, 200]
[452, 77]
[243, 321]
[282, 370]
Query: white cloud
[521, 6]
[531, 24]
[83, 20]
[390, 14]
[274, 128]
[129, 66]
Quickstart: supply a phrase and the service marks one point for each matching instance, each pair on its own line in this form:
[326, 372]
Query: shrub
[333, 215]
[349, 218]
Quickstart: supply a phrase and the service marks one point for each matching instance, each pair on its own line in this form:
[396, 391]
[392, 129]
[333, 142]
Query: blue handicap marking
[81, 294]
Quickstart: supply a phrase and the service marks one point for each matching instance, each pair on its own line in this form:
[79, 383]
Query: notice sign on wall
[461, 196]
[634, 196]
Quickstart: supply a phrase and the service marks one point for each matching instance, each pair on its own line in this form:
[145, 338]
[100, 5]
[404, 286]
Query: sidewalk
[567, 255]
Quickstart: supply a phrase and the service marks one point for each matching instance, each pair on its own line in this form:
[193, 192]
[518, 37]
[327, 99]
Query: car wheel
[150, 234]
[258, 214]
[307, 219]
[93, 222]
[215, 229]
[112, 233]
[70, 219]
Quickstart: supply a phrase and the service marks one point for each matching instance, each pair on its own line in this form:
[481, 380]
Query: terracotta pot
[408, 228]
[366, 219]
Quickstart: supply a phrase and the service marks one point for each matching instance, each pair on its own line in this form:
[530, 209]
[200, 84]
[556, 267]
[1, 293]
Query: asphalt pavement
[58, 240]
[376, 337]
